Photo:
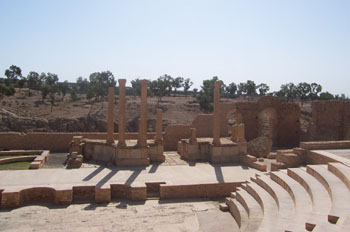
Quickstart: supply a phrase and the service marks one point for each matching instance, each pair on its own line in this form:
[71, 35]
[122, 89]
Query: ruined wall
[56, 142]
[284, 120]
[173, 134]
[286, 134]
[330, 121]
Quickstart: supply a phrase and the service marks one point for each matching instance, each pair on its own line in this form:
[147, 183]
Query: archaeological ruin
[273, 174]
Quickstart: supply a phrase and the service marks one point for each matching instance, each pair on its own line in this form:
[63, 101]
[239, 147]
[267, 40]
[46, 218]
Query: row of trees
[95, 87]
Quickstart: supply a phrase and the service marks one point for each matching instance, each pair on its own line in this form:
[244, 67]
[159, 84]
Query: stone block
[103, 195]
[138, 193]
[100, 152]
[63, 197]
[156, 153]
[224, 154]
[84, 193]
[74, 162]
[35, 165]
[291, 160]
[10, 199]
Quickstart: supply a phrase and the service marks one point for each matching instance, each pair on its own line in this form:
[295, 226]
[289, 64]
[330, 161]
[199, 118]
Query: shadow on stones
[106, 178]
[218, 173]
[93, 206]
[94, 173]
[133, 176]
[154, 168]
[123, 204]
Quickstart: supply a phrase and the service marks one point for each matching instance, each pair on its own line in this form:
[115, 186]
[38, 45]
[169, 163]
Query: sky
[270, 41]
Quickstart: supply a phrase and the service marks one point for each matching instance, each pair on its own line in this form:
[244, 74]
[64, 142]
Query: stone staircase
[311, 198]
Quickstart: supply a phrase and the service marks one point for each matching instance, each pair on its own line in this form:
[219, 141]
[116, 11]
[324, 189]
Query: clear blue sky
[273, 42]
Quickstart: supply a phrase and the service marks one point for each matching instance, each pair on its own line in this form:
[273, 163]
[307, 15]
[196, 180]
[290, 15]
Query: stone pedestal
[76, 145]
[156, 151]
[132, 156]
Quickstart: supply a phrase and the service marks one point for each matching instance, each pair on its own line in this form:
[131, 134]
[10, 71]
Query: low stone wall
[91, 193]
[197, 191]
[321, 145]
[17, 159]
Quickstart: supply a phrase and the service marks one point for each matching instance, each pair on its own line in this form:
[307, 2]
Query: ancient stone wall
[55, 142]
[286, 128]
[330, 121]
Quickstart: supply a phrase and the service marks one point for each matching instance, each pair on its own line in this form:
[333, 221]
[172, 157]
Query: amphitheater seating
[315, 198]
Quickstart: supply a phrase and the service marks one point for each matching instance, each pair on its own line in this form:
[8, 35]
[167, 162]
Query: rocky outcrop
[12, 122]
[260, 146]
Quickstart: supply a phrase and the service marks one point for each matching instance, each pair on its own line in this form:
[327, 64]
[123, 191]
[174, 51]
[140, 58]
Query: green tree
[6, 91]
[100, 82]
[263, 89]
[288, 91]
[161, 87]
[44, 89]
[303, 90]
[315, 90]
[33, 80]
[242, 89]
[205, 96]
[326, 96]
[231, 90]
[177, 83]
[187, 83]
[136, 85]
[63, 88]
[51, 79]
[13, 74]
[83, 85]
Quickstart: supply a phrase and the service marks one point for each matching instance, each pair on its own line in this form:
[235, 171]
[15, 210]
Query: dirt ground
[151, 215]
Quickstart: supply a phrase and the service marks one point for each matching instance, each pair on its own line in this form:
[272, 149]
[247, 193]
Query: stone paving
[340, 152]
[152, 215]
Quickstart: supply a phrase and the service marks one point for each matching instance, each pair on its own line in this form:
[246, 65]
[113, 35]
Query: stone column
[216, 118]
[159, 121]
[193, 139]
[121, 119]
[110, 119]
[234, 135]
[241, 133]
[142, 140]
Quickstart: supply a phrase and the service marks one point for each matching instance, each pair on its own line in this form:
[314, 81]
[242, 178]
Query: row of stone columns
[142, 135]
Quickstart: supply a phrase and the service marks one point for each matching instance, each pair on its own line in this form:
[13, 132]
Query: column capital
[144, 82]
[121, 81]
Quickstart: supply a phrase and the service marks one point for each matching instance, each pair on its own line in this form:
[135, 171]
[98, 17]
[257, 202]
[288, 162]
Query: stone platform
[101, 184]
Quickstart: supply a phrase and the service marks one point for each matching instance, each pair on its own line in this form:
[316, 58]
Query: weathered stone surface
[260, 146]
[12, 122]
[75, 162]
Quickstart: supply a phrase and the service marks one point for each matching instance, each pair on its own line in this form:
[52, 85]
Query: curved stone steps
[320, 199]
[341, 171]
[321, 202]
[285, 204]
[300, 197]
[238, 212]
[271, 220]
[253, 209]
[337, 190]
